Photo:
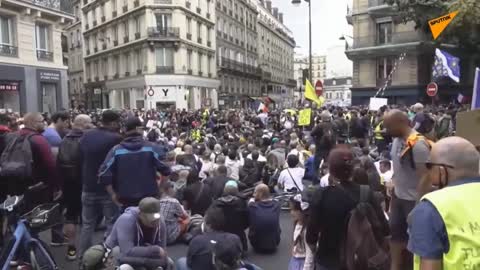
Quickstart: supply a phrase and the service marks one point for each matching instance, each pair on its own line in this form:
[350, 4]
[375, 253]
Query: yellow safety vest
[378, 131]
[457, 207]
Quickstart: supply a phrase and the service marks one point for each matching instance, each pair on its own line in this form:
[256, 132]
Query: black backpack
[68, 158]
[16, 160]
[427, 124]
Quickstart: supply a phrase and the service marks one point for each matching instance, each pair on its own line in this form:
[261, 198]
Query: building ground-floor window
[49, 97]
[9, 95]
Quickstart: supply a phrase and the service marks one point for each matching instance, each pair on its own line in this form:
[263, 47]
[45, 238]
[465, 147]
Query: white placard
[377, 103]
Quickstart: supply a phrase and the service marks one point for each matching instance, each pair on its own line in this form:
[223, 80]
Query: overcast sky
[328, 23]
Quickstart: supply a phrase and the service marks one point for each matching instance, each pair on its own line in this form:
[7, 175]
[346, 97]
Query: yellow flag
[304, 117]
[439, 24]
[311, 95]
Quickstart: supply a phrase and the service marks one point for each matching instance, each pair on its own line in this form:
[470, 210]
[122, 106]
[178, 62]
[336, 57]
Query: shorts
[400, 209]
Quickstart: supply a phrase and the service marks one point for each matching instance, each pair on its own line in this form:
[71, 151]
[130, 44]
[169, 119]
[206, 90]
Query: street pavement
[277, 261]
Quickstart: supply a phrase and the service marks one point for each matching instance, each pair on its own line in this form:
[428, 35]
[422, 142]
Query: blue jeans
[93, 206]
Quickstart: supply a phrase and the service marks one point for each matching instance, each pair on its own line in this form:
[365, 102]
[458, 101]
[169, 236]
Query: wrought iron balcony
[7, 50]
[392, 39]
[53, 4]
[163, 32]
[44, 55]
[165, 70]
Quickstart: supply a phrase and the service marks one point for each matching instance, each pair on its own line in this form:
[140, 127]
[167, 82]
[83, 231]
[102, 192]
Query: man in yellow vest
[444, 227]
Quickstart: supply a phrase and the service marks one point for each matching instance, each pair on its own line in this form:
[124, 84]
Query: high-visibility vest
[457, 208]
[378, 131]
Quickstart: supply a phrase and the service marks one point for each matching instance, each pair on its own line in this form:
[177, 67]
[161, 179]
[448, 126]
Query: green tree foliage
[463, 31]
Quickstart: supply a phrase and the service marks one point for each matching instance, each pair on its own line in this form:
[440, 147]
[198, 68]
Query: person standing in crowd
[290, 179]
[133, 152]
[442, 227]
[94, 147]
[69, 162]
[264, 215]
[330, 208]
[409, 155]
[443, 125]
[57, 129]
[233, 164]
[141, 235]
[324, 137]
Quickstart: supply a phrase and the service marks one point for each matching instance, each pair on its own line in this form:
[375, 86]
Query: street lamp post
[310, 55]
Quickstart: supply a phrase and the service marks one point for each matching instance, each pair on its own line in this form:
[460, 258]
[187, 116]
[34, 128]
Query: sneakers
[71, 253]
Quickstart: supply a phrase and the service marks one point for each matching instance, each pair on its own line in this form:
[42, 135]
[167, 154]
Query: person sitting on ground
[176, 218]
[264, 216]
[249, 173]
[197, 196]
[199, 254]
[141, 235]
[217, 181]
[290, 179]
[235, 210]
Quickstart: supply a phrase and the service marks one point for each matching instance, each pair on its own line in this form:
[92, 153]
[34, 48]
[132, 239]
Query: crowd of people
[366, 189]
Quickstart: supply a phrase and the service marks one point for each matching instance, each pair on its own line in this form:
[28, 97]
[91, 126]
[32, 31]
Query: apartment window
[384, 67]
[189, 25]
[189, 59]
[138, 54]
[95, 68]
[220, 25]
[209, 64]
[225, 27]
[114, 5]
[199, 30]
[42, 37]
[209, 38]
[87, 44]
[102, 10]
[116, 65]
[94, 39]
[164, 57]
[127, 62]
[72, 39]
[137, 25]
[79, 38]
[105, 67]
[199, 3]
[94, 14]
[384, 33]
[200, 58]
[115, 33]
[87, 70]
[232, 29]
[164, 20]
[125, 29]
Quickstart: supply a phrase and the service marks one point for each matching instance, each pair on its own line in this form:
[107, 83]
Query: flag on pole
[476, 91]
[262, 107]
[446, 65]
[311, 95]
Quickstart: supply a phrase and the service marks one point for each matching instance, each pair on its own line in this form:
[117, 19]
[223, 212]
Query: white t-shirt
[324, 180]
[260, 158]
[286, 180]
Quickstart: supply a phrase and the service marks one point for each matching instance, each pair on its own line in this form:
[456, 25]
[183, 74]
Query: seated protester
[264, 215]
[188, 158]
[235, 210]
[217, 181]
[197, 196]
[228, 257]
[199, 254]
[291, 178]
[249, 173]
[141, 235]
[330, 208]
[176, 219]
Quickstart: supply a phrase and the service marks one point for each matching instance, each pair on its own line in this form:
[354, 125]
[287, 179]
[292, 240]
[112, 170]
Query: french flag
[262, 107]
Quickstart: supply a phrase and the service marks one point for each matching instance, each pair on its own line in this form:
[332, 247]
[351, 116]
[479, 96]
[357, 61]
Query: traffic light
[305, 74]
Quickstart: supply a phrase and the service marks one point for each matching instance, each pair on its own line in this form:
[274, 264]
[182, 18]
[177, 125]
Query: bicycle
[25, 242]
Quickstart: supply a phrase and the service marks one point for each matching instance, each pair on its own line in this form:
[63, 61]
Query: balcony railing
[393, 39]
[238, 66]
[7, 50]
[163, 32]
[53, 4]
[165, 70]
[44, 55]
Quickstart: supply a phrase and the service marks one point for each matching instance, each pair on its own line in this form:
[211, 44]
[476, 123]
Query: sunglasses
[430, 165]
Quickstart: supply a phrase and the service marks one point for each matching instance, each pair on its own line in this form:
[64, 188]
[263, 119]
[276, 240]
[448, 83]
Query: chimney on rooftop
[275, 13]
[280, 17]
[269, 6]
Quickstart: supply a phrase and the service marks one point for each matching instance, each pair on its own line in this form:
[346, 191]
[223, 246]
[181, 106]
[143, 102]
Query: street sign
[319, 88]
[432, 89]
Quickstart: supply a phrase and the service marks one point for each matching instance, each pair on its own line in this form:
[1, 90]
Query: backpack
[364, 247]
[411, 141]
[16, 160]
[68, 158]
[328, 137]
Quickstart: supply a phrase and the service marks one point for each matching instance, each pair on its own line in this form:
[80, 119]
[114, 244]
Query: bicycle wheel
[40, 257]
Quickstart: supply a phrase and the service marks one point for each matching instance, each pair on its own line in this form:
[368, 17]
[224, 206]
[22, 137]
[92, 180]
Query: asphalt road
[277, 261]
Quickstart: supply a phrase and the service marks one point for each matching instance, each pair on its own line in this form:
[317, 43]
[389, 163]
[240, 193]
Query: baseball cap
[132, 123]
[150, 208]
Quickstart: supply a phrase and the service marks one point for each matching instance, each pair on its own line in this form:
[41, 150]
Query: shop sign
[49, 76]
[9, 86]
